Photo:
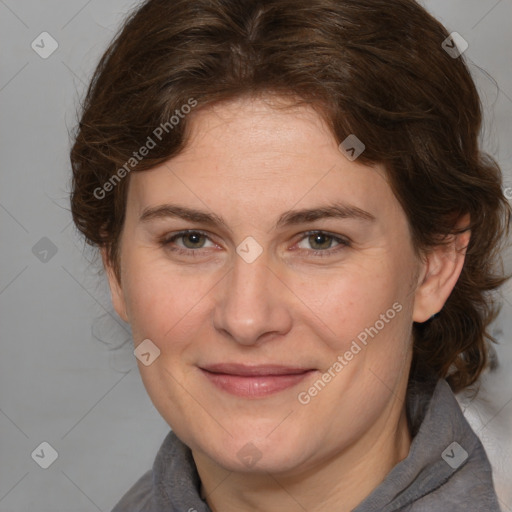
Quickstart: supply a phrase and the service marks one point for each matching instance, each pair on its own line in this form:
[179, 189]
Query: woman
[298, 224]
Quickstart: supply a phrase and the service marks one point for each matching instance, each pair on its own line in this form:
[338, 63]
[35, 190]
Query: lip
[254, 381]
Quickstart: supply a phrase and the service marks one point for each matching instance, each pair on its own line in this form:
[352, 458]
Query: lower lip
[255, 386]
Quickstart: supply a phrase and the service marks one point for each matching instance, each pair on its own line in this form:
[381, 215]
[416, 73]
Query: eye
[192, 240]
[321, 242]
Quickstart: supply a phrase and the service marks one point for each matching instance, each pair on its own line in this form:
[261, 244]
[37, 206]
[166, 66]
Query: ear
[441, 270]
[116, 291]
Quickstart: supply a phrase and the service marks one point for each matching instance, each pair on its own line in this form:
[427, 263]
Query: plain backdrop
[67, 372]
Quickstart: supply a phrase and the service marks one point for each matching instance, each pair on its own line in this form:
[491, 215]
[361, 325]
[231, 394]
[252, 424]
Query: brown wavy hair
[372, 68]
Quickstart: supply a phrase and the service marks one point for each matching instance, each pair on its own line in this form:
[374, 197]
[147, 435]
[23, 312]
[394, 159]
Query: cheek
[162, 303]
[144, 294]
[345, 306]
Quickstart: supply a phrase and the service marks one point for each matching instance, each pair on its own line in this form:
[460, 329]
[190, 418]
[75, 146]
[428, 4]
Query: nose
[252, 303]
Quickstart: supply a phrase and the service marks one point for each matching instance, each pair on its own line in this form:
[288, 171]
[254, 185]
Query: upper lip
[248, 370]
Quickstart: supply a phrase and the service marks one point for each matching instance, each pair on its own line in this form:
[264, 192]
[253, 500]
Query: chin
[250, 454]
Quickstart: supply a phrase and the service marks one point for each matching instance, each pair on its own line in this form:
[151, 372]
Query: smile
[254, 381]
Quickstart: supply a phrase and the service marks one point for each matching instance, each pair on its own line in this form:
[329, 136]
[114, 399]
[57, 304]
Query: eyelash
[343, 243]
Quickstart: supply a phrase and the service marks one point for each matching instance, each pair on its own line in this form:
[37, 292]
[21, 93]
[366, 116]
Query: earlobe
[443, 267]
[116, 291]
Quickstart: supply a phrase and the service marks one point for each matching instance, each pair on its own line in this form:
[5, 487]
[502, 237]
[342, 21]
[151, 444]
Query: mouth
[254, 381]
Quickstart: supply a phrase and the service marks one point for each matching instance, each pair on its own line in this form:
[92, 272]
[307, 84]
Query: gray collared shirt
[446, 469]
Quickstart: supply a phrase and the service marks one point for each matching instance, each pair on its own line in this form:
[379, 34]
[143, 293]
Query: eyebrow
[289, 218]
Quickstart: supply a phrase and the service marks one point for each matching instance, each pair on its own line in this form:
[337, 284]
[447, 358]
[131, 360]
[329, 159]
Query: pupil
[319, 237]
[194, 238]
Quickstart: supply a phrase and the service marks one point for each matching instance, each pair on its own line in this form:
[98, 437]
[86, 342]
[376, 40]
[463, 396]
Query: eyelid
[343, 243]
[168, 238]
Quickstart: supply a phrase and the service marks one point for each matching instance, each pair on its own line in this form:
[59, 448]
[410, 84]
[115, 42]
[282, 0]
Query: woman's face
[314, 334]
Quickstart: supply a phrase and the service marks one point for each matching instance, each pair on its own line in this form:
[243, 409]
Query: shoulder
[139, 496]
[172, 484]
[467, 482]
[446, 468]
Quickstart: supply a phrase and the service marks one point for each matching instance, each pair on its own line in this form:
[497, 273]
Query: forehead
[257, 152]
[258, 130]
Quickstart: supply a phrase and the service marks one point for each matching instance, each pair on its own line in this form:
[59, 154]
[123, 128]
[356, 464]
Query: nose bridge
[251, 301]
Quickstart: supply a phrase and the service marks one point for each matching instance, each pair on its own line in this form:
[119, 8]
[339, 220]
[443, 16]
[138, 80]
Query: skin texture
[248, 162]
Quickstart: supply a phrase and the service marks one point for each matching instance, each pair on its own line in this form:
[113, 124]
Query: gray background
[67, 372]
